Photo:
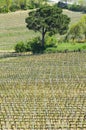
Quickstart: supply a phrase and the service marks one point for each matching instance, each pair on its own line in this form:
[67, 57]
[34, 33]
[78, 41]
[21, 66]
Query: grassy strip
[67, 47]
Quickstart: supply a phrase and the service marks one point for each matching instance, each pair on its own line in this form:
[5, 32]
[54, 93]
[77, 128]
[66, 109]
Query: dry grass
[75, 16]
[13, 29]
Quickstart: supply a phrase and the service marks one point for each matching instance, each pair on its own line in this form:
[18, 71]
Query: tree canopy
[48, 19]
[83, 25]
[77, 31]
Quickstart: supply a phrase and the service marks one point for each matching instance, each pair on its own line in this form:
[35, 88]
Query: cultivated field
[39, 92]
[13, 28]
[43, 92]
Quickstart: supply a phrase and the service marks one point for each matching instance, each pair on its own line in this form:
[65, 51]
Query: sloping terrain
[13, 28]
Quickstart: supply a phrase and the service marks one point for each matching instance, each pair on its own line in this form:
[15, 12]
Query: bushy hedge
[33, 5]
[3, 9]
[14, 7]
[35, 46]
[20, 47]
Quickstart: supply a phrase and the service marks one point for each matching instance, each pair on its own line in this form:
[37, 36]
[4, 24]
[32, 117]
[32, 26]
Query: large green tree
[48, 19]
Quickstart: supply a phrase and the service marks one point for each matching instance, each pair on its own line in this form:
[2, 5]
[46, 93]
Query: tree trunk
[43, 36]
[73, 39]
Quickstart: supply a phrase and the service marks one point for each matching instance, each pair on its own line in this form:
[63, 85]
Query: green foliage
[84, 47]
[14, 7]
[66, 47]
[3, 9]
[48, 19]
[35, 45]
[8, 3]
[20, 47]
[83, 25]
[74, 32]
[50, 41]
[33, 4]
[77, 31]
[75, 7]
[28, 46]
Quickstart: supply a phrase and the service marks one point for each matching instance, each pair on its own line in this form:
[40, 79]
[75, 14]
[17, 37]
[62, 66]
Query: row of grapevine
[43, 92]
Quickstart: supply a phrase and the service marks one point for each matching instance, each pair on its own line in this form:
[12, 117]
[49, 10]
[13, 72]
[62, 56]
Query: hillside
[40, 91]
[13, 28]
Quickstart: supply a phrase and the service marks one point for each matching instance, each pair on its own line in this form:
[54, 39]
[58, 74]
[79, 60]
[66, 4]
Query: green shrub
[50, 41]
[33, 45]
[33, 5]
[36, 46]
[20, 47]
[14, 7]
[3, 9]
[28, 46]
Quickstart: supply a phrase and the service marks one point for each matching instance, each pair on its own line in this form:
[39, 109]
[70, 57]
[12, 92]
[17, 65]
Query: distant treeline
[73, 7]
[13, 5]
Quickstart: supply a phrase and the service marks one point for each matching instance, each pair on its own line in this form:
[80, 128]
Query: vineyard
[43, 92]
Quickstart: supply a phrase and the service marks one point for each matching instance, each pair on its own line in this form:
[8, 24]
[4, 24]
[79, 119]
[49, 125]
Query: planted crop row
[43, 92]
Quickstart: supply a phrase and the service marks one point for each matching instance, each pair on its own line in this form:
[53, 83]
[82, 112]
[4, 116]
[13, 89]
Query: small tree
[48, 19]
[83, 25]
[75, 31]
[8, 3]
